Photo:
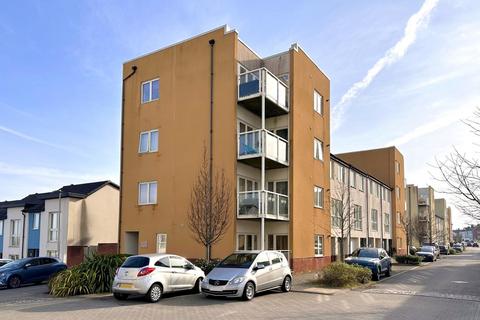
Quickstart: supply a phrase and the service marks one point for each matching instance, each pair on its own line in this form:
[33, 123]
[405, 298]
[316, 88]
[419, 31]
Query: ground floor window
[33, 253]
[318, 245]
[246, 242]
[161, 243]
[52, 253]
[14, 256]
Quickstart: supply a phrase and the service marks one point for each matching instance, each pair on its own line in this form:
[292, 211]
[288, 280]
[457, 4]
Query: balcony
[251, 86]
[252, 145]
[254, 204]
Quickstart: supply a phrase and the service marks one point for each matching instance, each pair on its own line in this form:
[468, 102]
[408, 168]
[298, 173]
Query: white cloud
[40, 141]
[393, 54]
[442, 121]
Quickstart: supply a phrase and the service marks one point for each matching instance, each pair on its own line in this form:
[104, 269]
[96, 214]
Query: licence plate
[126, 285]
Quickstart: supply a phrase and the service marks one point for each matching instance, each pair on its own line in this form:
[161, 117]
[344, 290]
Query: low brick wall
[75, 255]
[311, 264]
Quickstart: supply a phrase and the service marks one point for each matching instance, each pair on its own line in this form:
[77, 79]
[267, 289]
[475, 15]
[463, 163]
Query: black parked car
[443, 249]
[29, 270]
[475, 244]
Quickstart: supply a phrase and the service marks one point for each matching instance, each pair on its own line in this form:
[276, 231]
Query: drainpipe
[58, 222]
[367, 194]
[382, 190]
[134, 69]
[23, 235]
[210, 171]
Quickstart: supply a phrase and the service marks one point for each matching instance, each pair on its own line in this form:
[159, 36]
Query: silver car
[154, 274]
[242, 274]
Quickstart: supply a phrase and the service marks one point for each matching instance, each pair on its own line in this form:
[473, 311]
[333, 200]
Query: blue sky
[61, 76]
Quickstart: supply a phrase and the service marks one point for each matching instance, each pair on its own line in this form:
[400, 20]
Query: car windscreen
[136, 262]
[238, 260]
[17, 263]
[426, 249]
[366, 253]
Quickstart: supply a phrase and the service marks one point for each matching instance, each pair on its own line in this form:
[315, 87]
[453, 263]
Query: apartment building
[361, 209]
[426, 214]
[441, 221]
[411, 200]
[449, 225]
[266, 122]
[387, 165]
[61, 223]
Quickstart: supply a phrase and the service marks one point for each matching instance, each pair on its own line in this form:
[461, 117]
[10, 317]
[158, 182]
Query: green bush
[408, 259]
[206, 266]
[94, 275]
[340, 274]
[452, 251]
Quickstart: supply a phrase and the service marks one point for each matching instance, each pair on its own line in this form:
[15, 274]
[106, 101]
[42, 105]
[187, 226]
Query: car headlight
[237, 280]
[2, 274]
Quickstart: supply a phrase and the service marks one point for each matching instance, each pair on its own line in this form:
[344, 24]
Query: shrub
[340, 274]
[452, 251]
[408, 259]
[206, 266]
[94, 275]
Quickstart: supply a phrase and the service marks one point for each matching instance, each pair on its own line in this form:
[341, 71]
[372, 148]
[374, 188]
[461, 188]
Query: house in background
[364, 205]
[65, 223]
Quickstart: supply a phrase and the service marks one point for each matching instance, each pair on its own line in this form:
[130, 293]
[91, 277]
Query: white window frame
[398, 217]
[149, 82]
[254, 241]
[317, 149]
[15, 233]
[357, 217]
[52, 254]
[362, 184]
[353, 179]
[149, 141]
[1, 227]
[318, 197]
[386, 222]
[318, 245]
[397, 167]
[336, 214]
[374, 218]
[53, 217]
[36, 221]
[161, 245]
[397, 192]
[149, 184]
[317, 102]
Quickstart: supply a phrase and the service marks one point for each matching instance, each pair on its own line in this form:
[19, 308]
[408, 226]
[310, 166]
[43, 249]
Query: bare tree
[460, 173]
[407, 226]
[342, 215]
[415, 228]
[210, 204]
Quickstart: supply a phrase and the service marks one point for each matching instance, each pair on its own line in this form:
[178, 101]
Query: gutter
[23, 235]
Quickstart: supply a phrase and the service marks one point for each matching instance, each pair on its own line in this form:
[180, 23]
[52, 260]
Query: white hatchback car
[154, 274]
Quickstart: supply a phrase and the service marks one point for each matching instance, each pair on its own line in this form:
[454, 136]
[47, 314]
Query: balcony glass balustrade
[254, 144]
[254, 204]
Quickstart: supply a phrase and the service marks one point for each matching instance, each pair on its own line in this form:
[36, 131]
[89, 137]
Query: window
[1, 227]
[337, 208]
[163, 262]
[361, 187]
[246, 242]
[332, 166]
[397, 167]
[374, 220]
[397, 192]
[386, 222]
[353, 176]
[14, 233]
[317, 102]
[52, 253]
[377, 190]
[14, 256]
[147, 193]
[341, 173]
[399, 218]
[148, 141]
[36, 221]
[161, 243]
[178, 263]
[263, 259]
[53, 226]
[371, 187]
[357, 217]
[150, 90]
[318, 197]
[245, 184]
[318, 245]
[317, 149]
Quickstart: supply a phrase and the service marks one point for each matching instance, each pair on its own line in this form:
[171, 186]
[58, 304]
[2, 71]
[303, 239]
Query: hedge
[408, 259]
[340, 274]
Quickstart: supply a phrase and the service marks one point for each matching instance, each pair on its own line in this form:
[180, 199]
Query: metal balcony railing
[260, 142]
[254, 83]
[255, 204]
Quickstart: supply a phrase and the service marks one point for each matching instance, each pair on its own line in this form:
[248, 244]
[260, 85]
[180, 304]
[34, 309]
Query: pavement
[443, 290]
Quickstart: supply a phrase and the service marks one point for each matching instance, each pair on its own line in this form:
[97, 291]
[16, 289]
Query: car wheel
[14, 282]
[197, 288]
[120, 296]
[376, 275]
[388, 273]
[155, 293]
[287, 284]
[248, 291]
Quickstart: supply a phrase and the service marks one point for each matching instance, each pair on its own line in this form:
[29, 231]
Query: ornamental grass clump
[94, 275]
[340, 275]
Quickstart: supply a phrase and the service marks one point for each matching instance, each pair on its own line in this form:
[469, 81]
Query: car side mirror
[259, 267]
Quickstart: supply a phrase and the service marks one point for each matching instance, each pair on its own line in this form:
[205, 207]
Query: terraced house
[64, 223]
[269, 120]
[361, 209]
